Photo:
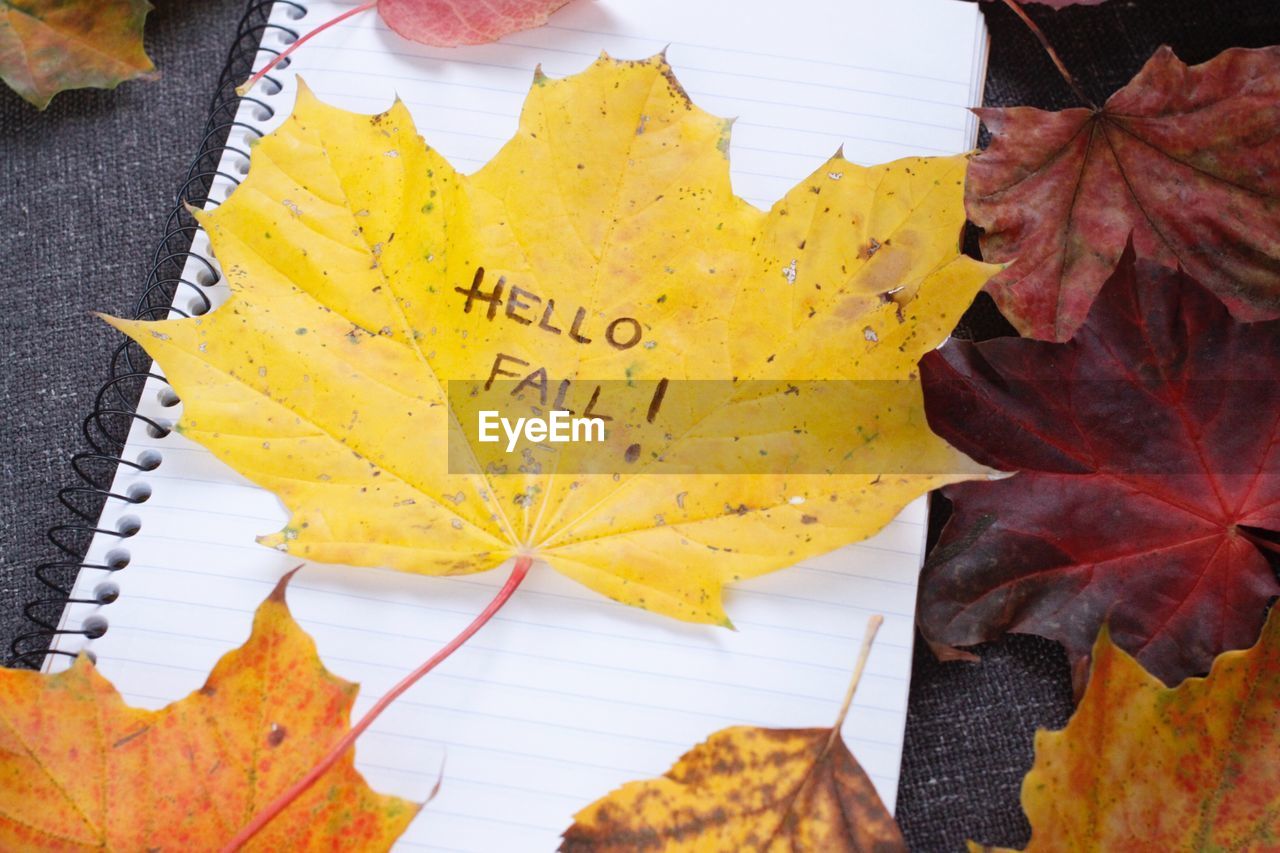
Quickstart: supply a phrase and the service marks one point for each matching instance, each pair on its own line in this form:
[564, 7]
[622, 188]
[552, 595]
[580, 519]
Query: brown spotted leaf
[1187, 159]
[1144, 767]
[48, 46]
[748, 789]
[80, 769]
[745, 788]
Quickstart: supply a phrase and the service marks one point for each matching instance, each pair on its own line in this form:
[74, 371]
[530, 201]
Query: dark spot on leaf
[130, 737]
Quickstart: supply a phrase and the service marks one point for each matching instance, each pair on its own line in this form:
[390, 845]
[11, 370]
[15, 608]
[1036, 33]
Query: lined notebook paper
[565, 695]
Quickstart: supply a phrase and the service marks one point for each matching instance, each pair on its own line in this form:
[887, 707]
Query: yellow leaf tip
[306, 98]
[275, 541]
[1104, 644]
[114, 322]
[197, 213]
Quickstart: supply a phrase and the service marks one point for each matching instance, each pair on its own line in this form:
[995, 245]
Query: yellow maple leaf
[80, 769]
[602, 244]
[1142, 766]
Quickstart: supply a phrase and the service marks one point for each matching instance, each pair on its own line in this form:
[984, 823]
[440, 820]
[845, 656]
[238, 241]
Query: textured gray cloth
[87, 185]
[85, 189]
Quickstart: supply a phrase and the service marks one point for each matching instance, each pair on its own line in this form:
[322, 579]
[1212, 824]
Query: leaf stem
[283, 800]
[1048, 48]
[869, 637]
[243, 88]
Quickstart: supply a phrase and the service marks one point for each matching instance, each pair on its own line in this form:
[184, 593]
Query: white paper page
[564, 695]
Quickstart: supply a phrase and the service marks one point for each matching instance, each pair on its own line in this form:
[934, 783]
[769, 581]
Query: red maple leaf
[1186, 159]
[1148, 458]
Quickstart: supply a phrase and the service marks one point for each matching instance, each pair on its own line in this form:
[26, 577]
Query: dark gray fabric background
[87, 184]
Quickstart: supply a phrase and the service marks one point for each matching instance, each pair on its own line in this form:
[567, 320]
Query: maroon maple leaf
[1148, 458]
[1187, 159]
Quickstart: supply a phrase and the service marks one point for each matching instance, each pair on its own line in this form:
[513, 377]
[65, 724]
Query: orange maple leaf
[81, 769]
[1141, 766]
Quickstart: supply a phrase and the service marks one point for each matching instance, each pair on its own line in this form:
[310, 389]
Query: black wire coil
[106, 428]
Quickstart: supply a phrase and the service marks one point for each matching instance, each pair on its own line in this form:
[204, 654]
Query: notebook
[564, 695]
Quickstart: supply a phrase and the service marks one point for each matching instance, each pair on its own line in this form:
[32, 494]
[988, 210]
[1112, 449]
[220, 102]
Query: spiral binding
[106, 428]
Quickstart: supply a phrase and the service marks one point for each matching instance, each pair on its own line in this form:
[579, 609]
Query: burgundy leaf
[1148, 460]
[1187, 159]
